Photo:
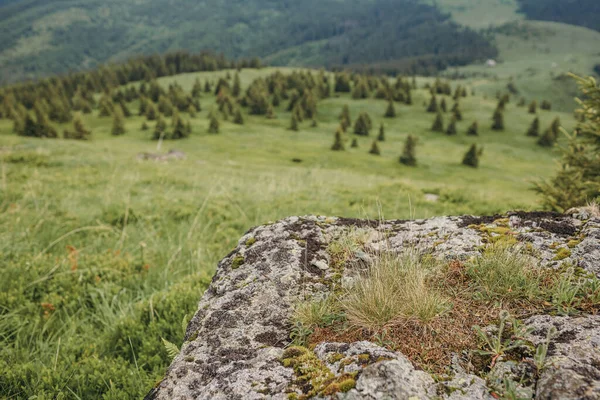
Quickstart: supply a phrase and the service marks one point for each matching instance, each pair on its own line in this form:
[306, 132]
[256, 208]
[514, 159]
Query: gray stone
[234, 343]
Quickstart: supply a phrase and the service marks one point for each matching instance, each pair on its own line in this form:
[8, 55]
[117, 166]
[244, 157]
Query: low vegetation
[427, 308]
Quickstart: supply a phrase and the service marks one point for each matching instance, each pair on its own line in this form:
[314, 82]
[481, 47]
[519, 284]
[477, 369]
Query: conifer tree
[342, 83]
[160, 129]
[546, 105]
[344, 118]
[381, 136]
[443, 105]
[408, 154]
[451, 130]
[391, 110]
[361, 90]
[43, 127]
[143, 106]
[375, 149]
[498, 120]
[207, 87]
[237, 86]
[362, 126]
[473, 129]
[79, 132]
[165, 106]
[354, 144]
[456, 113]
[533, 107]
[472, 156]
[238, 117]
[118, 127]
[105, 107]
[294, 123]
[438, 123]
[338, 144]
[125, 110]
[521, 102]
[547, 139]
[433, 106]
[270, 113]
[214, 124]
[197, 88]
[179, 129]
[534, 128]
[151, 113]
[408, 98]
[192, 111]
[145, 126]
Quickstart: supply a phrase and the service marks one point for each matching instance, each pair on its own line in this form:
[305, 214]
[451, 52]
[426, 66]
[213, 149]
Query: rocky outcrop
[237, 343]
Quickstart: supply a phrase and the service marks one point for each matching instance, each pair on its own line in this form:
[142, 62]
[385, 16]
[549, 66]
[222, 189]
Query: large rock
[235, 342]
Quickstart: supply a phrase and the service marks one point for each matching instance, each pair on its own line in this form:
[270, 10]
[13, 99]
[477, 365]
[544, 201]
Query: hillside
[105, 250]
[41, 37]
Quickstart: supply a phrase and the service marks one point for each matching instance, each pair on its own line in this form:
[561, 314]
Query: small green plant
[495, 345]
[320, 313]
[541, 351]
[171, 348]
[300, 334]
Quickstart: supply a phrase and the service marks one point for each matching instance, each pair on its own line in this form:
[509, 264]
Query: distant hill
[575, 12]
[41, 37]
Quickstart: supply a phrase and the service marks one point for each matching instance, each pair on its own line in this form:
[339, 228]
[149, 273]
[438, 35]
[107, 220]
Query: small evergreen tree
[375, 149]
[391, 110]
[361, 90]
[443, 105]
[354, 144]
[534, 128]
[238, 117]
[124, 108]
[547, 139]
[143, 106]
[438, 123]
[344, 117]
[362, 126]
[118, 127]
[213, 126]
[294, 123]
[237, 87]
[197, 88]
[338, 144]
[408, 154]
[179, 128]
[151, 113]
[546, 105]
[498, 120]
[381, 136]
[473, 129]
[472, 156]
[79, 132]
[160, 129]
[457, 113]
[533, 107]
[105, 107]
[451, 130]
[433, 106]
[270, 113]
[192, 111]
[145, 126]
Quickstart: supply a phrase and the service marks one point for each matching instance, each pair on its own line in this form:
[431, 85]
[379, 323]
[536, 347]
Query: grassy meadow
[103, 255]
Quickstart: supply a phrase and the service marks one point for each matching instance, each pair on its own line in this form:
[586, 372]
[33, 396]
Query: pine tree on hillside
[498, 120]
[143, 106]
[408, 98]
[438, 123]
[473, 129]
[555, 126]
[443, 105]
[361, 90]
[546, 105]
[433, 106]
[79, 132]
[457, 113]
[391, 110]
[451, 130]
[362, 126]
[207, 87]
[270, 112]
[533, 107]
[534, 128]
[375, 149]
[124, 109]
[165, 106]
[338, 144]
[547, 139]
[151, 113]
[381, 136]
[213, 126]
[294, 123]
[408, 154]
[345, 118]
[105, 107]
[192, 111]
[160, 129]
[238, 117]
[197, 89]
[472, 156]
[179, 130]
[237, 86]
[118, 127]
[43, 127]
[354, 144]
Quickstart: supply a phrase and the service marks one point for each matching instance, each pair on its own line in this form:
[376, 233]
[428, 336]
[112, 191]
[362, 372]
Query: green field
[103, 255]
[536, 56]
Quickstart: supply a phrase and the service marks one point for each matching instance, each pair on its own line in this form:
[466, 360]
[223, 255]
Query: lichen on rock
[237, 345]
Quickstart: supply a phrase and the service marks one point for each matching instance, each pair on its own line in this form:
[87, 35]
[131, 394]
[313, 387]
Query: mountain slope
[41, 37]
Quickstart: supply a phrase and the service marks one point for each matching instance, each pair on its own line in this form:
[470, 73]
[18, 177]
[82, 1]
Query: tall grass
[395, 287]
